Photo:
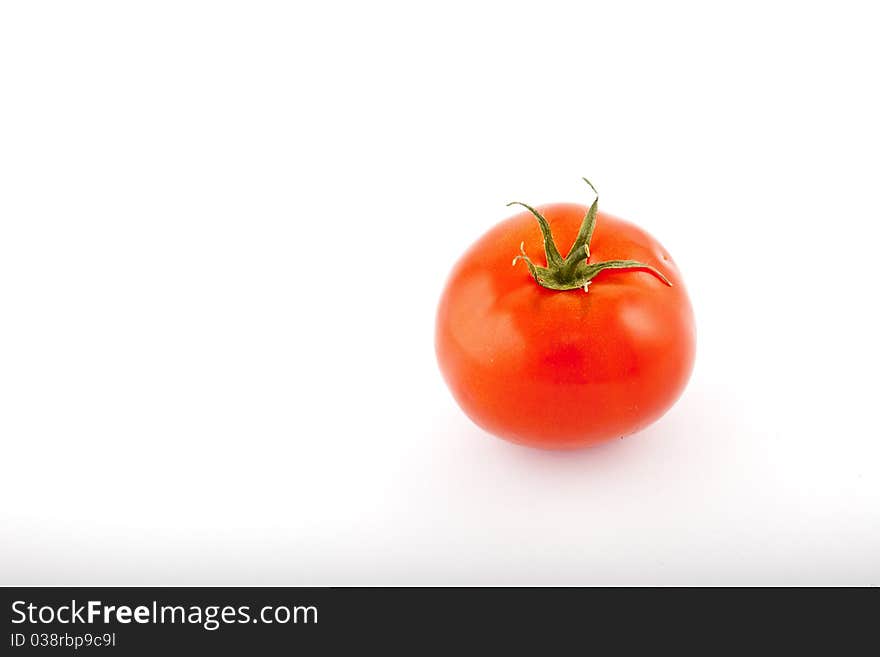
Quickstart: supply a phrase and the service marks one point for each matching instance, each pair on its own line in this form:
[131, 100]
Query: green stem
[575, 270]
[554, 259]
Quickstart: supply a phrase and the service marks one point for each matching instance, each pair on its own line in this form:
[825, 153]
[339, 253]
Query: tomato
[564, 352]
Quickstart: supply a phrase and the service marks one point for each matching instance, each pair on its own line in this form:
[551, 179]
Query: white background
[224, 228]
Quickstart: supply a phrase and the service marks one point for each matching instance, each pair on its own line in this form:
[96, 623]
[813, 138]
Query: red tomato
[565, 368]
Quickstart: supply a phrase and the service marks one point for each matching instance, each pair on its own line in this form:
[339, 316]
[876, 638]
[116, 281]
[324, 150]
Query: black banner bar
[132, 621]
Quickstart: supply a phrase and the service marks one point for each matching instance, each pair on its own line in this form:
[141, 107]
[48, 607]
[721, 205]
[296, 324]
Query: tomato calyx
[575, 270]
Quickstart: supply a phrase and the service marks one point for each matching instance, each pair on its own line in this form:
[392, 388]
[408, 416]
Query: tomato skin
[564, 369]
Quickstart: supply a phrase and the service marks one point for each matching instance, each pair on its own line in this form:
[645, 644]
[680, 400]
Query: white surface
[224, 228]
